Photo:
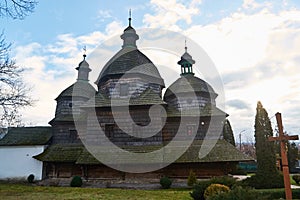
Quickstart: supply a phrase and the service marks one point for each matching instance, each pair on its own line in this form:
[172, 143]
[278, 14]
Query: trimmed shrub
[76, 181]
[262, 182]
[165, 182]
[215, 189]
[296, 178]
[30, 178]
[199, 188]
[239, 193]
[192, 179]
[224, 180]
[198, 191]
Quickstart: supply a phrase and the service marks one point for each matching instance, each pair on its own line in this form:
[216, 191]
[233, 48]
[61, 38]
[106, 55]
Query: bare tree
[16, 9]
[14, 93]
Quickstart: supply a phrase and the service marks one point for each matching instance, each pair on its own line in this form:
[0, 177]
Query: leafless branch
[14, 93]
[16, 9]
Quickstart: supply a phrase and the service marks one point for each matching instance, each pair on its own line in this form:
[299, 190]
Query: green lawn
[19, 191]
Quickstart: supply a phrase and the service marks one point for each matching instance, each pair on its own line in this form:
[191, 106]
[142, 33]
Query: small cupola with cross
[186, 62]
[83, 69]
[129, 36]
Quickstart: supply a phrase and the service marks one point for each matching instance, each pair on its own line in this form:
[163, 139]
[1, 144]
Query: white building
[17, 149]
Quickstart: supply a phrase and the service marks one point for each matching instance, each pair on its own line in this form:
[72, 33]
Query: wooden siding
[175, 170]
[136, 86]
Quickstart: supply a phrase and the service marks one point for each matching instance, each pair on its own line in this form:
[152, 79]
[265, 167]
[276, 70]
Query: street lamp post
[240, 136]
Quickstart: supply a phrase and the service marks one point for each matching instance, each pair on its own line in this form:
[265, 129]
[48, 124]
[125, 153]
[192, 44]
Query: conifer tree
[228, 133]
[265, 150]
[293, 155]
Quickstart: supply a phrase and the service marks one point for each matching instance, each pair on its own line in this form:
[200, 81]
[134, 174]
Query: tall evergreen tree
[267, 175]
[265, 150]
[228, 133]
[292, 154]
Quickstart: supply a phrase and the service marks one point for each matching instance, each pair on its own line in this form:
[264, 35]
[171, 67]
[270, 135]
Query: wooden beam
[283, 138]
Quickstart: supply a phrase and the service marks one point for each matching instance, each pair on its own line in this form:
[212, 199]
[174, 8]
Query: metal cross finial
[84, 52]
[129, 19]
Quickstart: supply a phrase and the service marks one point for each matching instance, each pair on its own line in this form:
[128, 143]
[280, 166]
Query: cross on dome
[129, 19]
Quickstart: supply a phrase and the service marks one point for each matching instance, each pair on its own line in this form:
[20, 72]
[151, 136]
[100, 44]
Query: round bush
[30, 178]
[76, 181]
[165, 182]
[215, 189]
[198, 191]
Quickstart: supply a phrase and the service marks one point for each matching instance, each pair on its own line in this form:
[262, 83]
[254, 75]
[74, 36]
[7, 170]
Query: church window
[109, 130]
[124, 87]
[190, 129]
[73, 135]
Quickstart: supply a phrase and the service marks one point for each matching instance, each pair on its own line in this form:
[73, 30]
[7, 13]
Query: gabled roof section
[85, 158]
[221, 152]
[22, 136]
[60, 153]
[148, 97]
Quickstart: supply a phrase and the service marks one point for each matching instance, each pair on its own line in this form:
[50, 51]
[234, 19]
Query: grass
[25, 191]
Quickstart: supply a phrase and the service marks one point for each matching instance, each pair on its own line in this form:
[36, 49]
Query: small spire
[84, 52]
[129, 19]
[185, 47]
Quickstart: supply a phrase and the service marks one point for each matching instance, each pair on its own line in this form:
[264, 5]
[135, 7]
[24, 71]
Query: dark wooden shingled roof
[79, 88]
[148, 97]
[61, 153]
[221, 152]
[130, 60]
[17, 136]
[189, 83]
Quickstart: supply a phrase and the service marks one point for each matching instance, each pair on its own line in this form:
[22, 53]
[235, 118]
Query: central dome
[129, 66]
[130, 60]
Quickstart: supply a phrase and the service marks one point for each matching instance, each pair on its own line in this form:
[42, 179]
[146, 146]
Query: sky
[254, 45]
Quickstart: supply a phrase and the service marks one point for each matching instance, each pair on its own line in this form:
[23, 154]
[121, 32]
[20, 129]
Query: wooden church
[131, 86]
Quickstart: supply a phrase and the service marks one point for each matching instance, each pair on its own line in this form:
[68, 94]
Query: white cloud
[250, 4]
[169, 12]
[66, 43]
[258, 56]
[51, 68]
[113, 28]
[104, 14]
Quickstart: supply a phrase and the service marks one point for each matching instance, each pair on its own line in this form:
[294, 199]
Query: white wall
[17, 162]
